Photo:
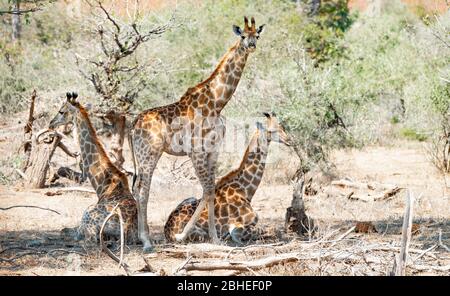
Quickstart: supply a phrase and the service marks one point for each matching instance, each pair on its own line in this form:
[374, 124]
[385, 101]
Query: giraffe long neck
[254, 162]
[228, 75]
[101, 172]
[210, 96]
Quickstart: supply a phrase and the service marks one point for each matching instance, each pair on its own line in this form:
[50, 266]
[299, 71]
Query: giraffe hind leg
[198, 234]
[242, 234]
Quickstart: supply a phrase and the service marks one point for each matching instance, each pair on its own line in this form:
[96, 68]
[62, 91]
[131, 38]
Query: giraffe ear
[260, 29]
[266, 114]
[88, 106]
[237, 30]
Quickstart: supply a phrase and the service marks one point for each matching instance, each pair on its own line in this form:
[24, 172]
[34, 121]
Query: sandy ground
[30, 243]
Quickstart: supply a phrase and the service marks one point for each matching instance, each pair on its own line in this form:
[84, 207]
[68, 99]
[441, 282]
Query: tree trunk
[39, 162]
[16, 26]
[118, 123]
[296, 219]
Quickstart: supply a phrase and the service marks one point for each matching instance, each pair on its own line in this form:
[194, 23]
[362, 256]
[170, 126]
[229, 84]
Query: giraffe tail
[130, 143]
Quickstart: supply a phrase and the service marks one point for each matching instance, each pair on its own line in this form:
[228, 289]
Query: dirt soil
[30, 241]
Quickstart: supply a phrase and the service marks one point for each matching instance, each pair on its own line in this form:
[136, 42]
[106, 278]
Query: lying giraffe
[191, 126]
[234, 193]
[110, 184]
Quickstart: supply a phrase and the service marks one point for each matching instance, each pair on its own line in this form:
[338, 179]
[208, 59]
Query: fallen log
[431, 267]
[385, 195]
[242, 265]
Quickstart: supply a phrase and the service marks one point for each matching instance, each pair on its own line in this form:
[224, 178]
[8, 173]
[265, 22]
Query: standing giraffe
[191, 126]
[234, 192]
[110, 184]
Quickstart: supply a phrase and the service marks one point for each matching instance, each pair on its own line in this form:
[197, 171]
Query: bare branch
[20, 11]
[400, 262]
[81, 189]
[243, 265]
[108, 16]
[36, 207]
[115, 211]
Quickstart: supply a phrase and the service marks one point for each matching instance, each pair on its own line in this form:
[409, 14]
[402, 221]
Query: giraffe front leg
[142, 199]
[204, 164]
[141, 189]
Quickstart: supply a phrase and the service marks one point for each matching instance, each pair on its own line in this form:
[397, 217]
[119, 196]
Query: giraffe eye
[257, 37]
[243, 37]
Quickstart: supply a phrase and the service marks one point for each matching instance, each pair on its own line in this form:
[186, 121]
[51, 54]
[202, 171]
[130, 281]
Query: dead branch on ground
[241, 265]
[36, 207]
[115, 211]
[80, 189]
[388, 191]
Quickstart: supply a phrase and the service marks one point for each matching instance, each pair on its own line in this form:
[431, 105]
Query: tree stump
[296, 219]
[40, 156]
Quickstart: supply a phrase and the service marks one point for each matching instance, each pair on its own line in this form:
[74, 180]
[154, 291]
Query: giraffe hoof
[179, 237]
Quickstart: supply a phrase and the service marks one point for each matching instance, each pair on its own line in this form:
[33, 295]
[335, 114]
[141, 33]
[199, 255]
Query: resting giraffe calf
[110, 184]
[233, 194]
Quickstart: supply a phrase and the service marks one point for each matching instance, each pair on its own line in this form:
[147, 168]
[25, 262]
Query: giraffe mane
[216, 70]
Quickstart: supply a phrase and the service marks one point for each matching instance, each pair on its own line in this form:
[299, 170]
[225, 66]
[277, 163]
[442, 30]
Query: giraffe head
[67, 111]
[250, 34]
[275, 130]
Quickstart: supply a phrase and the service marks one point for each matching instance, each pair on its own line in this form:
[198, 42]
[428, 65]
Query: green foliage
[12, 83]
[440, 97]
[395, 119]
[324, 30]
[4, 179]
[412, 134]
[335, 79]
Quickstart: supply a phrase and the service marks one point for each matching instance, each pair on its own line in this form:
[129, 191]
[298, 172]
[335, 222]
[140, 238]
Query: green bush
[336, 79]
[323, 31]
[411, 134]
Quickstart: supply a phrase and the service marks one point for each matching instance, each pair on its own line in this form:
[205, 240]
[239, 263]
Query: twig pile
[343, 252]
